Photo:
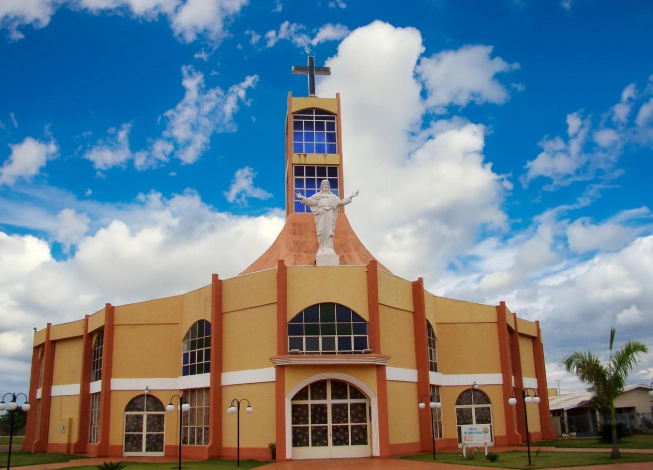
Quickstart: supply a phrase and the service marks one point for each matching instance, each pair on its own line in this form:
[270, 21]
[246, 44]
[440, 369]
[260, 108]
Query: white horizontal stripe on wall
[530, 383]
[140, 384]
[250, 376]
[398, 374]
[95, 387]
[38, 393]
[436, 378]
[194, 381]
[64, 390]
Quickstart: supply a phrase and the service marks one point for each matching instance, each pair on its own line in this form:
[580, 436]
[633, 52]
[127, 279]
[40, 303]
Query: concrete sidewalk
[366, 463]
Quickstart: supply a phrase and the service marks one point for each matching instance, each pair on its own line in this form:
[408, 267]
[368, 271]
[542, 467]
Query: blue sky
[502, 150]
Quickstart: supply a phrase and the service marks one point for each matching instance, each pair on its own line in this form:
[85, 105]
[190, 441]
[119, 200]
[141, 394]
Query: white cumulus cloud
[26, 160]
[242, 187]
[463, 76]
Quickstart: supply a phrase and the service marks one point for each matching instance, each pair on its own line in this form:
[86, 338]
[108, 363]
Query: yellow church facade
[333, 359]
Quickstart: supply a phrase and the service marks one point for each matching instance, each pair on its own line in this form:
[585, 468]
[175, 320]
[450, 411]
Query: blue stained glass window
[308, 179]
[196, 348]
[312, 314]
[313, 125]
[328, 328]
[320, 148]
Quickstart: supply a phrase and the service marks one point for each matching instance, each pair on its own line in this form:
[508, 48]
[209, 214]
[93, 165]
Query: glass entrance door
[330, 419]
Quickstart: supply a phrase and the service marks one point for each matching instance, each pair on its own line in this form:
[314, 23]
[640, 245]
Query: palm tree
[606, 381]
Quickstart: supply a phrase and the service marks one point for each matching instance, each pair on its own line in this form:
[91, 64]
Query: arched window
[196, 356]
[433, 358]
[473, 407]
[314, 131]
[327, 328]
[96, 363]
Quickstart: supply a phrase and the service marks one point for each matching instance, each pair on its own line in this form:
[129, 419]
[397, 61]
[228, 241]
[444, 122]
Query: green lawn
[635, 442]
[20, 458]
[213, 464]
[4, 440]
[519, 459]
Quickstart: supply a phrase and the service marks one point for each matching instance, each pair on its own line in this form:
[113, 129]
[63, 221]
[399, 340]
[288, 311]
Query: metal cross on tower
[311, 70]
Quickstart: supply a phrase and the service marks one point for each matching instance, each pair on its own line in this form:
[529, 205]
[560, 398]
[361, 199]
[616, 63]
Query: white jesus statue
[325, 207]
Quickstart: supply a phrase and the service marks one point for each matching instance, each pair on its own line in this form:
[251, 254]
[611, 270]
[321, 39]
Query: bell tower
[313, 154]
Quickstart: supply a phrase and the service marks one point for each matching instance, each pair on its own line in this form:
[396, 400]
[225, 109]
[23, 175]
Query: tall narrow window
[41, 363]
[96, 364]
[314, 131]
[307, 181]
[327, 328]
[196, 356]
[195, 423]
[94, 429]
[433, 358]
[437, 412]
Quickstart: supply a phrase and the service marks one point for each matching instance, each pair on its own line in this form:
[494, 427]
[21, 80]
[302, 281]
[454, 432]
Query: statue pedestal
[327, 258]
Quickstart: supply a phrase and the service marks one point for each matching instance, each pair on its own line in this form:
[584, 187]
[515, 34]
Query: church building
[331, 350]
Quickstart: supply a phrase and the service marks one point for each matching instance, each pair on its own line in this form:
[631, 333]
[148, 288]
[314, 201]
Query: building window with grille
[314, 131]
[96, 364]
[473, 407]
[94, 429]
[327, 328]
[433, 358]
[196, 355]
[308, 180]
[437, 412]
[195, 423]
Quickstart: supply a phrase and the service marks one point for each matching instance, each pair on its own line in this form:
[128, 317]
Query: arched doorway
[473, 407]
[144, 427]
[330, 419]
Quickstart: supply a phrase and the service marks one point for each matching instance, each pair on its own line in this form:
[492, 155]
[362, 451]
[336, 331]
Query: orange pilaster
[540, 374]
[282, 349]
[512, 436]
[102, 447]
[421, 360]
[515, 360]
[30, 427]
[341, 172]
[41, 443]
[373, 306]
[84, 421]
[215, 398]
[290, 197]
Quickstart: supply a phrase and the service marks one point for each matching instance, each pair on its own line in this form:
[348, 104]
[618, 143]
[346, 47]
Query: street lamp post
[183, 406]
[235, 407]
[526, 398]
[432, 405]
[11, 408]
